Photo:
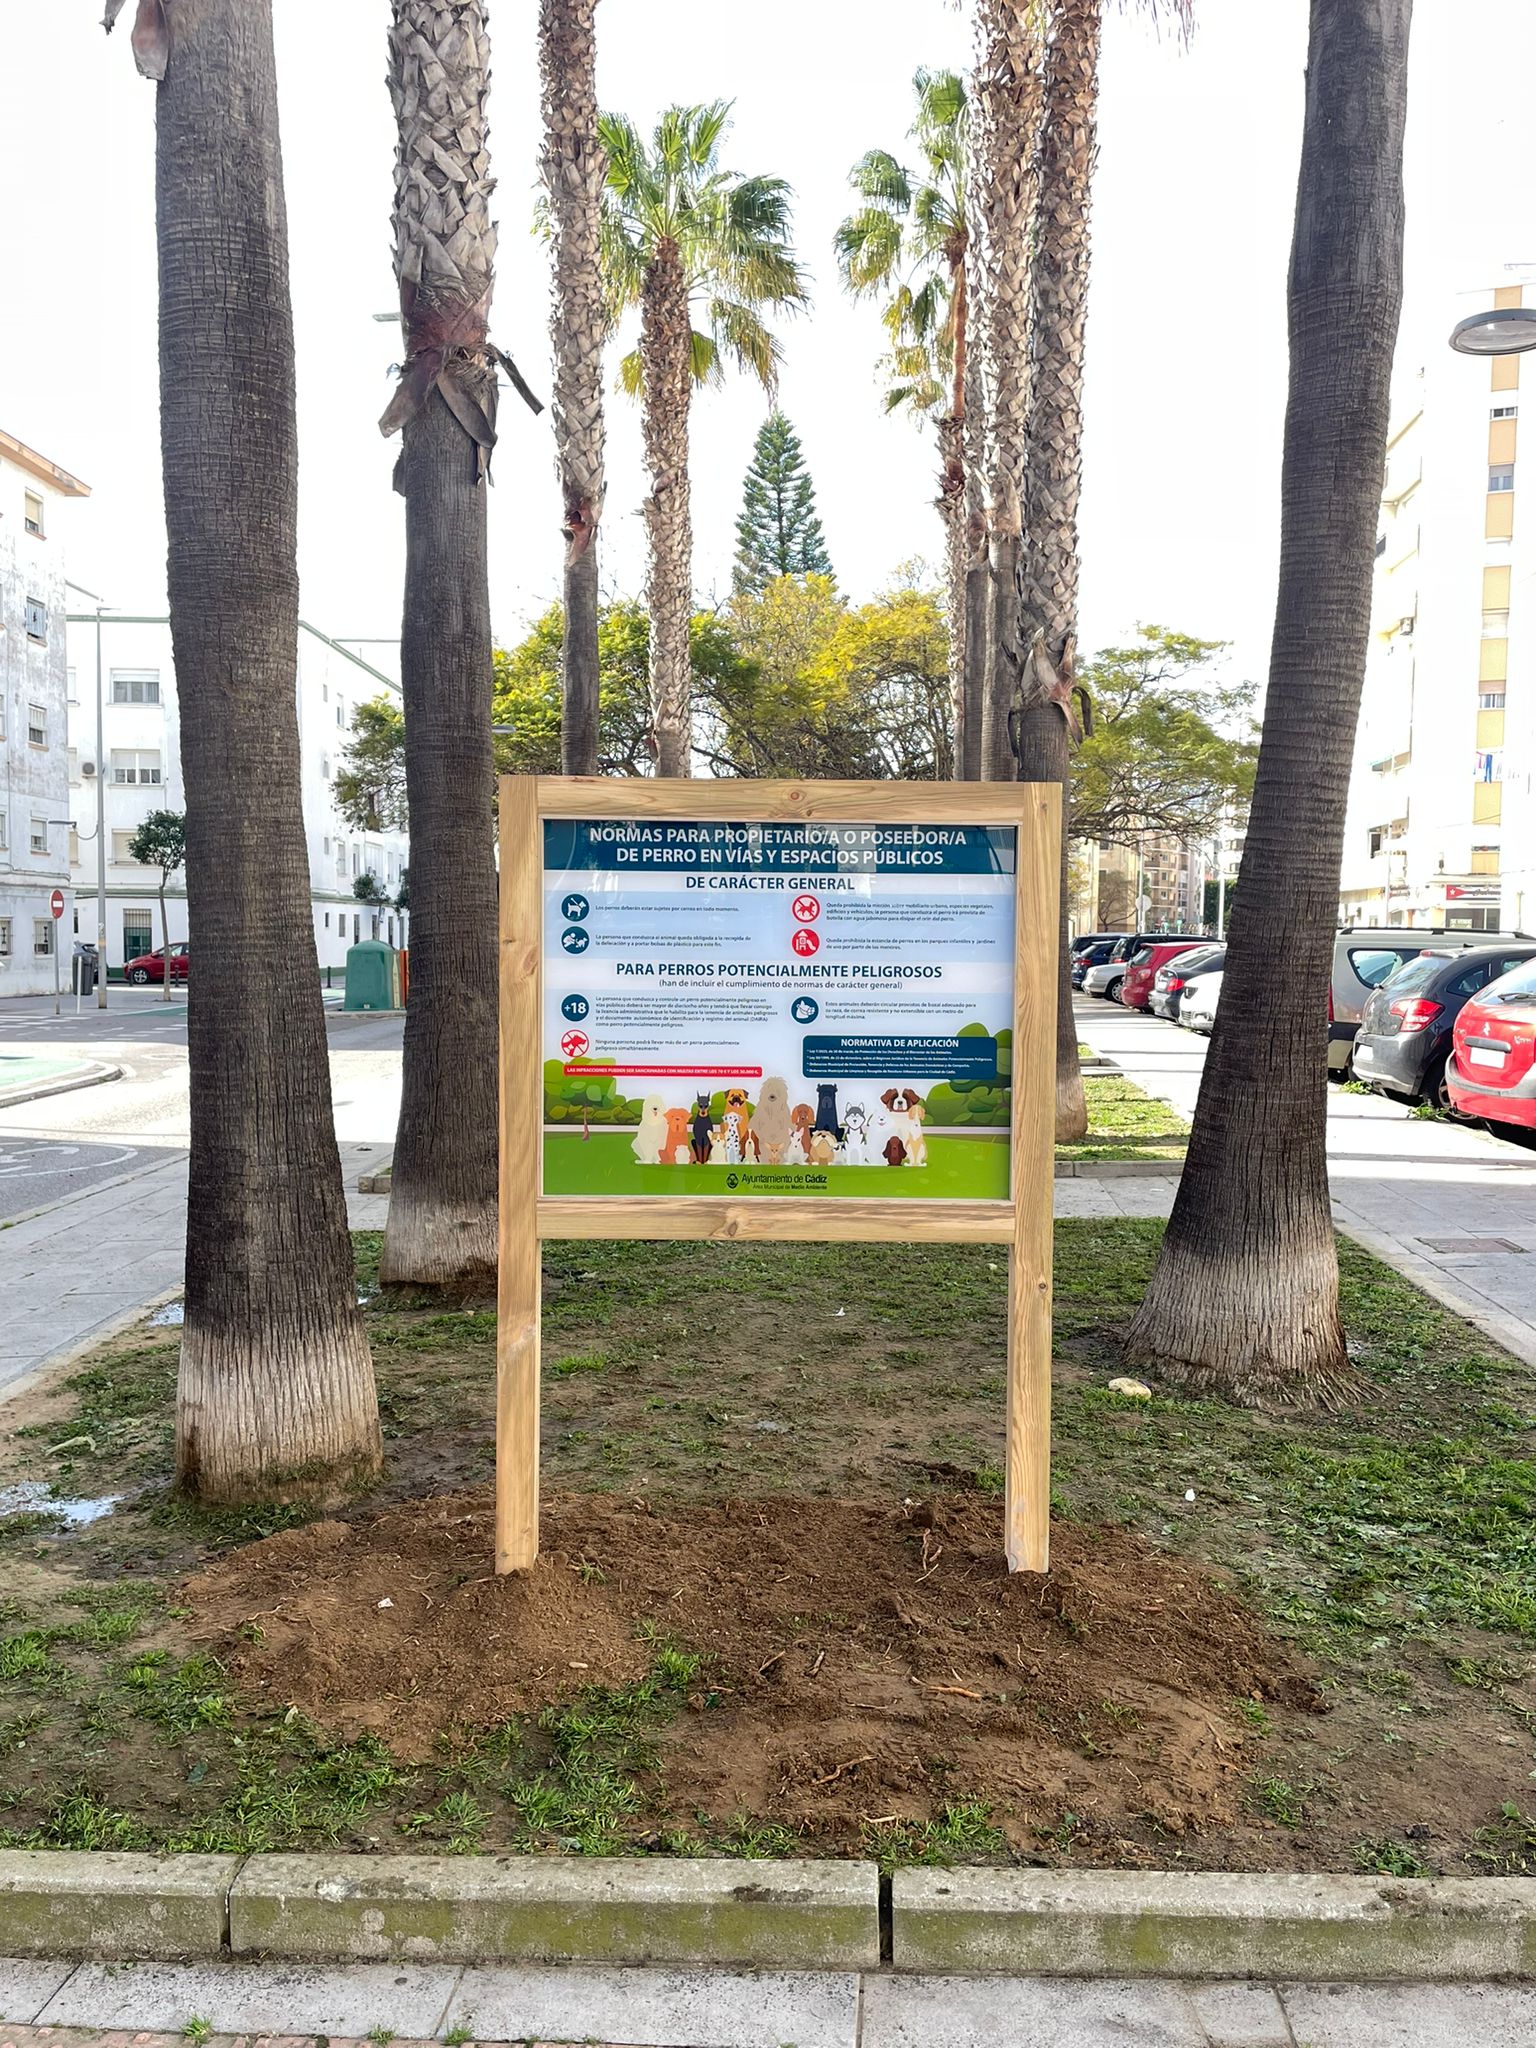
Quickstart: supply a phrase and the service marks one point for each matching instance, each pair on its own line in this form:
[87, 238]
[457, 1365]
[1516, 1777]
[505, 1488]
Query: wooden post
[1027, 1465]
[522, 1128]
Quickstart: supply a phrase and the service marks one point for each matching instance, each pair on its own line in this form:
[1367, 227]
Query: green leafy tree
[1166, 753]
[906, 244]
[161, 842]
[369, 786]
[683, 236]
[778, 533]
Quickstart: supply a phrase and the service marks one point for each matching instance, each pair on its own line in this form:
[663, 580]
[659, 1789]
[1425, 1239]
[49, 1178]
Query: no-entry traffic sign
[56, 902]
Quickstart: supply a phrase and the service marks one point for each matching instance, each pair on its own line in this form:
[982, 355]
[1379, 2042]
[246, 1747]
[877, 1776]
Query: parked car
[1170, 982]
[1086, 939]
[1106, 977]
[1136, 989]
[1202, 992]
[1090, 956]
[1492, 1073]
[1405, 1037]
[151, 966]
[1365, 957]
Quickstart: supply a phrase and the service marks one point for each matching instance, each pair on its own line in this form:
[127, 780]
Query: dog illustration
[731, 1137]
[855, 1146]
[701, 1130]
[823, 1148]
[917, 1144]
[736, 1103]
[679, 1148]
[895, 1152]
[826, 1110]
[771, 1126]
[801, 1117]
[900, 1103]
[652, 1134]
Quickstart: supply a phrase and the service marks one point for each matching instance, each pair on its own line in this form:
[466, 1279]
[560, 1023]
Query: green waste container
[373, 976]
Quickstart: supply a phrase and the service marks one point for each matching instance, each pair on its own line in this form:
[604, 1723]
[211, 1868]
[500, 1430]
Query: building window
[71, 687]
[325, 767]
[135, 686]
[357, 862]
[325, 848]
[37, 725]
[74, 853]
[74, 764]
[138, 933]
[1504, 412]
[135, 767]
[37, 620]
[39, 840]
[1491, 700]
[32, 513]
[1485, 860]
[42, 938]
[341, 858]
[327, 920]
[122, 854]
[1495, 625]
[2, 831]
[341, 714]
[5, 938]
[1501, 477]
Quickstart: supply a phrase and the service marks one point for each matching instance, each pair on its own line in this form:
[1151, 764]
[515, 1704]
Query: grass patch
[1125, 1122]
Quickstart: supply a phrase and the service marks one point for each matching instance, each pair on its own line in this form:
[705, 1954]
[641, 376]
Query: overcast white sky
[1186, 378]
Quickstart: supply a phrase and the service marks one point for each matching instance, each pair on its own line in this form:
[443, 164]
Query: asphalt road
[65, 1143]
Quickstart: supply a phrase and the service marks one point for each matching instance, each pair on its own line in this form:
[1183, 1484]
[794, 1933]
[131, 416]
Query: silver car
[1202, 992]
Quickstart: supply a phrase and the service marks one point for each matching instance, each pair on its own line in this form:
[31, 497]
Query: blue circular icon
[805, 1009]
[575, 1008]
[575, 908]
[574, 939]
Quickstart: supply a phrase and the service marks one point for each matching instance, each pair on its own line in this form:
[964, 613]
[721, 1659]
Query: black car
[1089, 955]
[1404, 1039]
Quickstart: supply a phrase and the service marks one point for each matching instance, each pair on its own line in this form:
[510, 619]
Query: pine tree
[778, 533]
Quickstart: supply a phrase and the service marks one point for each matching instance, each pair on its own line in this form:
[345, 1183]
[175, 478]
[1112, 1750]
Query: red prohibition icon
[806, 908]
[805, 942]
[574, 1044]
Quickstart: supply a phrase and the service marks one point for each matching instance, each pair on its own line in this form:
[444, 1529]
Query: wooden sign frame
[1023, 1222]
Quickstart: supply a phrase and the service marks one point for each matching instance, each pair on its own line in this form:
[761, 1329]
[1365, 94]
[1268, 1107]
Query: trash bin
[373, 976]
[82, 981]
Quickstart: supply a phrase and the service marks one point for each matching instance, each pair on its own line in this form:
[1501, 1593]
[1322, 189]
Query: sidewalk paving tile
[1026, 2012]
[661, 2008]
[26, 1987]
[1240, 2015]
[241, 1998]
[1411, 2015]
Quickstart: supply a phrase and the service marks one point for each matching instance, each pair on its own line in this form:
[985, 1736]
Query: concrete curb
[151, 1908]
[95, 1080]
[1283, 1928]
[1119, 1169]
[756, 1915]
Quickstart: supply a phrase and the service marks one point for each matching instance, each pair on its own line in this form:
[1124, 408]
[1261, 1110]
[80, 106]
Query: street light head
[1502, 331]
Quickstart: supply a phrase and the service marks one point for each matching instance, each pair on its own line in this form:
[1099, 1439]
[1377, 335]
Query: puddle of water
[32, 1497]
[164, 1318]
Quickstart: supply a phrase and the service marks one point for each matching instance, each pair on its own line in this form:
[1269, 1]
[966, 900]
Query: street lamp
[101, 814]
[1502, 331]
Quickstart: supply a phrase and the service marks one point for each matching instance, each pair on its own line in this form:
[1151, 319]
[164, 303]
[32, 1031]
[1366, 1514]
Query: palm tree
[276, 1378]
[574, 169]
[682, 236]
[442, 1210]
[1244, 1300]
[908, 242]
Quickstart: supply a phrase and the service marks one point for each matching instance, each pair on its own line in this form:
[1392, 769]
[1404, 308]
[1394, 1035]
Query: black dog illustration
[699, 1130]
[826, 1111]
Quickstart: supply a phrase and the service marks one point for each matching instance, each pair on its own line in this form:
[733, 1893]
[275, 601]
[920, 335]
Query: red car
[1492, 1073]
[151, 966]
[1136, 988]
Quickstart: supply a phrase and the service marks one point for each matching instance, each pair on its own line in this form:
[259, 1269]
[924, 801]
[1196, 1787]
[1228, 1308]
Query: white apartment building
[141, 764]
[34, 797]
[1441, 828]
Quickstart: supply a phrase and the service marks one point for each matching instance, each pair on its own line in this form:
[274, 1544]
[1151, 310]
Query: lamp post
[1501, 331]
[101, 813]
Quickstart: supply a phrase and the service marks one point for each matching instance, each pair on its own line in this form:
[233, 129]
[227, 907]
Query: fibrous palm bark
[1046, 646]
[574, 166]
[276, 1382]
[442, 1211]
[1244, 1300]
[666, 362]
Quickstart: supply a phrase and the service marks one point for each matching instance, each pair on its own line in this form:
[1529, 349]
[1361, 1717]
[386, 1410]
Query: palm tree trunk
[977, 414]
[666, 365]
[276, 1381]
[442, 1210]
[956, 558]
[573, 169]
[1054, 462]
[1244, 1300]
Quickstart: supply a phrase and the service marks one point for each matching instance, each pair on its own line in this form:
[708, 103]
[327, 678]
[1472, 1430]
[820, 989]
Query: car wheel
[138, 976]
[1113, 992]
[1435, 1090]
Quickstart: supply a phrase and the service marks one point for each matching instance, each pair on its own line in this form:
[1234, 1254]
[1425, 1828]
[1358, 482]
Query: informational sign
[763, 1008]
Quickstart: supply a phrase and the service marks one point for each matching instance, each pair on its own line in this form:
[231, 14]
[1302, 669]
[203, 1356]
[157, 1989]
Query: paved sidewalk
[1450, 1207]
[152, 2005]
[87, 1266]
